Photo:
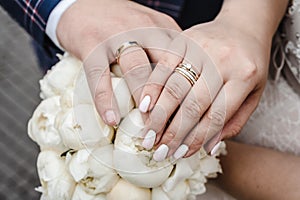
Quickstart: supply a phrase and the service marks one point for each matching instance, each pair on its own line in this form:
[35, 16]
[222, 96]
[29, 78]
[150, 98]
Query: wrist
[257, 18]
[54, 18]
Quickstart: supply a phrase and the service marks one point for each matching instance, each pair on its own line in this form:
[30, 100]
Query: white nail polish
[161, 153]
[215, 149]
[110, 116]
[149, 140]
[181, 151]
[144, 105]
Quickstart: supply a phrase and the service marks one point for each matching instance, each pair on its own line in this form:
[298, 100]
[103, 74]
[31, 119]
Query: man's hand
[88, 23]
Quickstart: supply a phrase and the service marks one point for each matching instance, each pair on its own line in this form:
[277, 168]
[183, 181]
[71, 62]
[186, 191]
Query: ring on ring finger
[125, 46]
[186, 70]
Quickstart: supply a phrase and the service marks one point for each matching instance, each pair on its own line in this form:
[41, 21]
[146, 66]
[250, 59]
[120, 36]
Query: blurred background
[19, 95]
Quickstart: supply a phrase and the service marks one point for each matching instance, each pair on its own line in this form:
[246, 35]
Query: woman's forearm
[251, 172]
[256, 16]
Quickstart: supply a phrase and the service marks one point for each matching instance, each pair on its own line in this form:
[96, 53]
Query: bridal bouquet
[82, 158]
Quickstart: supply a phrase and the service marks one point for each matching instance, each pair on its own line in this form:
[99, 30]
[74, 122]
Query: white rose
[92, 169]
[125, 190]
[123, 95]
[41, 126]
[82, 127]
[132, 162]
[80, 194]
[60, 77]
[54, 177]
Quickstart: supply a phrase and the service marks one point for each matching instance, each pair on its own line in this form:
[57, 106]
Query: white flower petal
[60, 77]
[78, 165]
[122, 95]
[80, 194]
[180, 191]
[125, 190]
[159, 194]
[82, 127]
[41, 126]
[133, 163]
[93, 171]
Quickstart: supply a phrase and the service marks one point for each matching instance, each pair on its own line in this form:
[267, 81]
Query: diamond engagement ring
[125, 46]
[185, 69]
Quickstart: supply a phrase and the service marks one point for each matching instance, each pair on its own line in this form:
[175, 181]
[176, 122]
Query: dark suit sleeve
[32, 16]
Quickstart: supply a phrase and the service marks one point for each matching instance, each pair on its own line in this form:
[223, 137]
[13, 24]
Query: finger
[239, 119]
[199, 98]
[136, 69]
[168, 61]
[227, 102]
[235, 124]
[100, 84]
[174, 92]
[195, 104]
[193, 107]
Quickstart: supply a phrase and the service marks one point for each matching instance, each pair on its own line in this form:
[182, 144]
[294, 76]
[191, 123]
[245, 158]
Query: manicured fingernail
[161, 153]
[181, 151]
[110, 116]
[215, 149]
[144, 105]
[149, 140]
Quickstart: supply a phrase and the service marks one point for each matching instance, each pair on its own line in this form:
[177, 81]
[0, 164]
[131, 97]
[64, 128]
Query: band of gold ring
[187, 72]
[125, 46]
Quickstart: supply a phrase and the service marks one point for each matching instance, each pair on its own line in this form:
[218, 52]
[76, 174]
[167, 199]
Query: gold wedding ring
[125, 46]
[185, 69]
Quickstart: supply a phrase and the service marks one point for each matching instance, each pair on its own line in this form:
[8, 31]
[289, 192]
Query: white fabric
[54, 18]
[276, 121]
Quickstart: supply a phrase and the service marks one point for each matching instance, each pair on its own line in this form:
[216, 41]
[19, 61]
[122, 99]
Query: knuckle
[192, 108]
[225, 53]
[170, 137]
[235, 129]
[153, 89]
[138, 72]
[197, 141]
[174, 91]
[157, 120]
[249, 72]
[134, 58]
[144, 19]
[94, 78]
[217, 118]
[90, 33]
[101, 96]
[163, 67]
[168, 18]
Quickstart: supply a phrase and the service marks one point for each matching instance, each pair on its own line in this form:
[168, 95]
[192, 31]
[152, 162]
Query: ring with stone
[186, 70]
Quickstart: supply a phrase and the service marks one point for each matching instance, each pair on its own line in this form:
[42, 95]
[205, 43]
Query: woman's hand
[230, 55]
[88, 23]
